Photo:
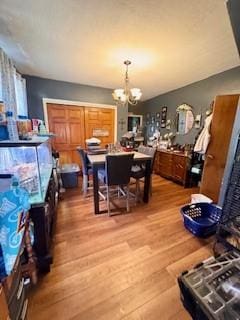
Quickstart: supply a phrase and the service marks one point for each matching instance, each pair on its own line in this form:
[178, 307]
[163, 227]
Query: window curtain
[12, 87]
[21, 97]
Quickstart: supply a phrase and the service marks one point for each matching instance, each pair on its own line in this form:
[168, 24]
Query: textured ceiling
[171, 42]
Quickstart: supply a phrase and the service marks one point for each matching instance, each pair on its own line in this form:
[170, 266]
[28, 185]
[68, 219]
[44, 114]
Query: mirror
[184, 118]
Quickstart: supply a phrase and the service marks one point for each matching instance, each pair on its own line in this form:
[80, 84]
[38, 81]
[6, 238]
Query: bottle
[12, 126]
[24, 127]
[42, 129]
[2, 113]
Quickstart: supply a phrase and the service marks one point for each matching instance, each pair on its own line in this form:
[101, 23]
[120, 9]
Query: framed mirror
[184, 119]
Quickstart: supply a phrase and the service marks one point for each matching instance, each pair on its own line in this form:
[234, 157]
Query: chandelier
[127, 95]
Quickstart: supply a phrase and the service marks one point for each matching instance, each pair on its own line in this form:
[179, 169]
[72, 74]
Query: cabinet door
[156, 163]
[165, 164]
[221, 128]
[179, 168]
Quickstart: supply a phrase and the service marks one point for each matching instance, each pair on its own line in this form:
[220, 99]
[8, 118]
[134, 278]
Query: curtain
[12, 87]
[21, 97]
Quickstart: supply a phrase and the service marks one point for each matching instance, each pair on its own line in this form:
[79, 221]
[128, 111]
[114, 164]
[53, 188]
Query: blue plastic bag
[14, 205]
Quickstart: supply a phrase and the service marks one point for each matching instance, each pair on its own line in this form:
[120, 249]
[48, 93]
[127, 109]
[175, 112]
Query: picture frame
[158, 115]
[148, 115]
[164, 117]
[153, 120]
[158, 124]
[164, 109]
[168, 124]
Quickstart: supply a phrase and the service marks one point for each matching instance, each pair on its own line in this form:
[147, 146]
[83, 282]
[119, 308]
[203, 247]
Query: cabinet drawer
[165, 158]
[179, 159]
[179, 172]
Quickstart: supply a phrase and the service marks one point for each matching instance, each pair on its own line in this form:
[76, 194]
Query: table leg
[147, 181]
[95, 189]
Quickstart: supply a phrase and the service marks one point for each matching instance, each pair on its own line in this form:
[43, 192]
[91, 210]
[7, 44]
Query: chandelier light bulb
[131, 96]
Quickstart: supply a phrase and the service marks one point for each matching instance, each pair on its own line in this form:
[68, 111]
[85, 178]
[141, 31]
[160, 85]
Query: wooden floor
[123, 267]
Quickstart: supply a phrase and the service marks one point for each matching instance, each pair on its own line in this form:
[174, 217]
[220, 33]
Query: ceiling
[171, 42]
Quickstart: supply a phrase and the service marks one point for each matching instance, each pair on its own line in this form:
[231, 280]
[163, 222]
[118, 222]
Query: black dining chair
[86, 170]
[117, 173]
[138, 170]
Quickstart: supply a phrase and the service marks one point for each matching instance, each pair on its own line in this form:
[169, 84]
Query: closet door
[67, 122]
[99, 123]
[221, 129]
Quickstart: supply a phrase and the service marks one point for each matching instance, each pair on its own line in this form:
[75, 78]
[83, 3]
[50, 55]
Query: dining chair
[86, 170]
[138, 170]
[117, 173]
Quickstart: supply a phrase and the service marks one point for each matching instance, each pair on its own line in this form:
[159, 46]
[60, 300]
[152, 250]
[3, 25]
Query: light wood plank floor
[123, 267]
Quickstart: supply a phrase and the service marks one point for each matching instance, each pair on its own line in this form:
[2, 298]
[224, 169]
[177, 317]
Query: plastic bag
[14, 205]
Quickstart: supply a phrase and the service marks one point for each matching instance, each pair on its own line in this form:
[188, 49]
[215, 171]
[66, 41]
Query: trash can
[69, 174]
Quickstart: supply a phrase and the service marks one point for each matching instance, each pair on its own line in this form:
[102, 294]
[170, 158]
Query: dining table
[97, 162]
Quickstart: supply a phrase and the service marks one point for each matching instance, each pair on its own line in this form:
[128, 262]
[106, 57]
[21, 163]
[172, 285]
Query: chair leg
[137, 190]
[85, 185]
[150, 186]
[127, 198]
[108, 202]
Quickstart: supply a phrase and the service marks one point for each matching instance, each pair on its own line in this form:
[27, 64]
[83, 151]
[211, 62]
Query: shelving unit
[31, 161]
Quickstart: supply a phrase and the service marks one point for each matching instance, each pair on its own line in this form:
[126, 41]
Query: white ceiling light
[127, 95]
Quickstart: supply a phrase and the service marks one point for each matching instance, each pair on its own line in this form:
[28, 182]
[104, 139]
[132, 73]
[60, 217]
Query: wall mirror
[184, 118]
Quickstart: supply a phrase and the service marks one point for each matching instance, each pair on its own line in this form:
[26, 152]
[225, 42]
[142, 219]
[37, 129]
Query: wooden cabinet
[224, 111]
[172, 166]
[13, 295]
[4, 315]
[13, 301]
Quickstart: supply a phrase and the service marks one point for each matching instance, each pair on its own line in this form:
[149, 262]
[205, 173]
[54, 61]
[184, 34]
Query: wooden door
[221, 129]
[67, 122]
[100, 119]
